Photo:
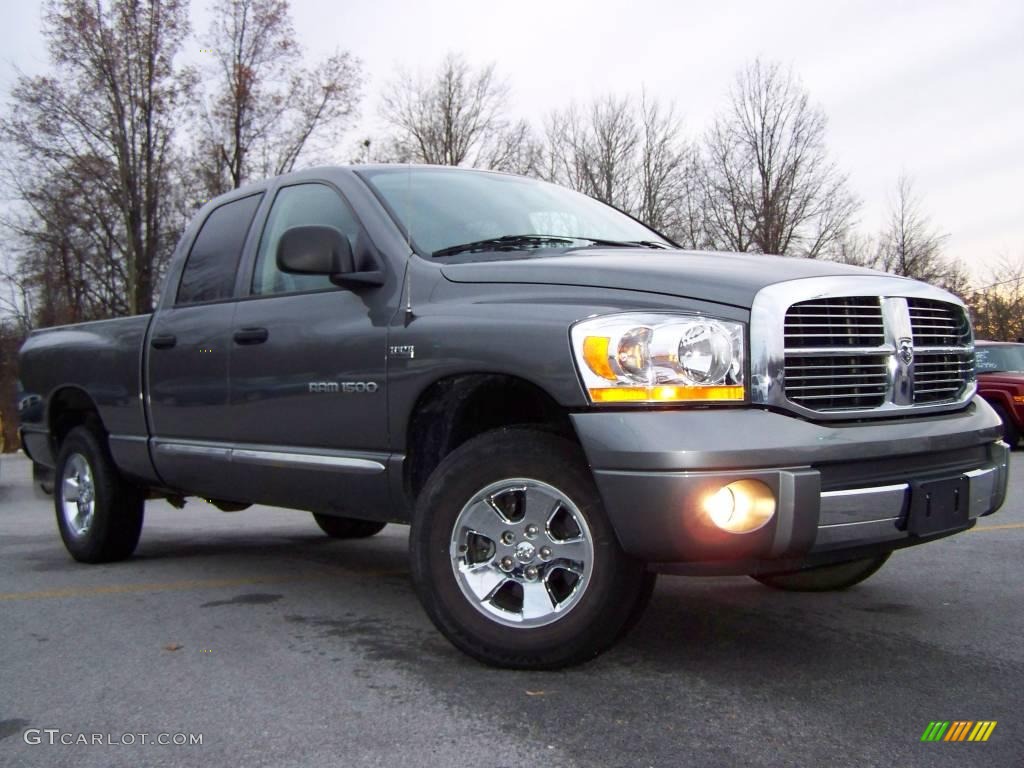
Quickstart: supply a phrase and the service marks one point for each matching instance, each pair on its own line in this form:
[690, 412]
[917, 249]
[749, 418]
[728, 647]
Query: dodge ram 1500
[559, 401]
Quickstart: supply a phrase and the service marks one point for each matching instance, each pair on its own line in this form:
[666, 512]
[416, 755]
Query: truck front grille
[937, 324]
[940, 377]
[834, 383]
[858, 353]
[852, 321]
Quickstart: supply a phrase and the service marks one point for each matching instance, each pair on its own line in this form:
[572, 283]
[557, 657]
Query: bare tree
[667, 179]
[11, 337]
[635, 158]
[456, 116]
[264, 109]
[595, 151]
[998, 306]
[956, 279]
[909, 245]
[91, 145]
[17, 304]
[769, 184]
[66, 243]
[855, 249]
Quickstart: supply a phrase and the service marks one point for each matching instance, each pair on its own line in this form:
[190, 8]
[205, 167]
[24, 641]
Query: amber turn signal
[667, 394]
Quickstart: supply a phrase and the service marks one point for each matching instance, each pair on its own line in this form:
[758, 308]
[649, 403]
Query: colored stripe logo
[958, 730]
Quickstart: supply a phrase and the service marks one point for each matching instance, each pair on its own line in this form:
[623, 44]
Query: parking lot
[282, 647]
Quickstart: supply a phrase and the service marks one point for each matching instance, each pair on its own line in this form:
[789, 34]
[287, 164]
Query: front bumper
[841, 489]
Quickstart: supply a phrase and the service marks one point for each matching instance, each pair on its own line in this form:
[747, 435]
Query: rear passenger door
[188, 351]
[308, 413]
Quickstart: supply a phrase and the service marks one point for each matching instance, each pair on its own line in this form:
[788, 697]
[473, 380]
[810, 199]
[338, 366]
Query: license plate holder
[938, 505]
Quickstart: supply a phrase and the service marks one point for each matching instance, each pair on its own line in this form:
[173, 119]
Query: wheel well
[70, 408]
[456, 409]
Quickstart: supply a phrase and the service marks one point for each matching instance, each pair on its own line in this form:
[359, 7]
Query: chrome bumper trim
[854, 516]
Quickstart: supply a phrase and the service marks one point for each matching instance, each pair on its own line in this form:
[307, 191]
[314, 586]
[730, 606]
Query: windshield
[1001, 358]
[447, 207]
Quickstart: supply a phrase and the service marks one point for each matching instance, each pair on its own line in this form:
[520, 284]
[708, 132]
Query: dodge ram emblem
[906, 351]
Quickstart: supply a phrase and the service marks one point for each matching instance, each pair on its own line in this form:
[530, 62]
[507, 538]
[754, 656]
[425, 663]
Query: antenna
[408, 241]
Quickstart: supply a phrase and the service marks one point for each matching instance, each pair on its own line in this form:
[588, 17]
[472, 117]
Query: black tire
[347, 527]
[614, 593]
[118, 506]
[825, 578]
[1011, 435]
[647, 585]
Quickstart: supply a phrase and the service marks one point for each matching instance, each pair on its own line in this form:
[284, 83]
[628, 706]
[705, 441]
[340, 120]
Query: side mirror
[314, 251]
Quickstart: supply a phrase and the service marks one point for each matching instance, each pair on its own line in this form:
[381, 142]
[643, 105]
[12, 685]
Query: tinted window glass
[303, 205]
[992, 359]
[213, 261]
[444, 207]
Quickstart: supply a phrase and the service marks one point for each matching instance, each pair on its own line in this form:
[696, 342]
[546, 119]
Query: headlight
[650, 358]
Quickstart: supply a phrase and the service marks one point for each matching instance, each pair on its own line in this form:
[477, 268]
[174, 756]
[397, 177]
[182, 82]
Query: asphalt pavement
[278, 646]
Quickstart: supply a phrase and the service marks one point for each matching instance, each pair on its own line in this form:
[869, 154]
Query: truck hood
[723, 278]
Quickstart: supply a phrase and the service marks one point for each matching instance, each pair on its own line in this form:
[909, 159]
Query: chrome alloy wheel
[522, 553]
[78, 494]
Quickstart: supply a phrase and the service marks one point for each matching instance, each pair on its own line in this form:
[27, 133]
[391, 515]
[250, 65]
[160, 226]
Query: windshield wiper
[522, 242]
[625, 243]
[507, 243]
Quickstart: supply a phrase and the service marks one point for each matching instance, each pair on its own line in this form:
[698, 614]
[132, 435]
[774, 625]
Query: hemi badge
[406, 350]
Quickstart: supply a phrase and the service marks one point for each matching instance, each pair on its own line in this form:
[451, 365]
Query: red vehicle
[1000, 368]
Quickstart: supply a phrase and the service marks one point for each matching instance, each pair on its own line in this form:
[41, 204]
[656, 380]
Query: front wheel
[825, 578]
[513, 556]
[99, 514]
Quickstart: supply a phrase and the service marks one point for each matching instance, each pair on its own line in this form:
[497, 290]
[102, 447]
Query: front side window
[302, 205]
[212, 263]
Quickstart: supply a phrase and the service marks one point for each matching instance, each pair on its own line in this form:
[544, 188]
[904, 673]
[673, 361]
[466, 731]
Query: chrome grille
[863, 353]
[854, 321]
[937, 324]
[833, 383]
[939, 377]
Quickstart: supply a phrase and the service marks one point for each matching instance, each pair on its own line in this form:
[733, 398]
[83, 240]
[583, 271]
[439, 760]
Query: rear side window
[213, 261]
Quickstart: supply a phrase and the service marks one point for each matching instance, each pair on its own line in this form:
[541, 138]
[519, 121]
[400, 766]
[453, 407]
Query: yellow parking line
[1005, 527]
[170, 586]
[121, 589]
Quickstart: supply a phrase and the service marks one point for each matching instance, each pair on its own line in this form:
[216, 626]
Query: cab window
[301, 205]
[212, 264]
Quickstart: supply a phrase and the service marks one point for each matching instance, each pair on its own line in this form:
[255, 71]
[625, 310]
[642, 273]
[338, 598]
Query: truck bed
[102, 358]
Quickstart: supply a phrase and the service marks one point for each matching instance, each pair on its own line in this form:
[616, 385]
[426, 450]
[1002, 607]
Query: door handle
[163, 341]
[251, 336]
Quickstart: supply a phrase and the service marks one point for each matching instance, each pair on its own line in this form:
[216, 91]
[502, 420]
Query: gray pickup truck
[559, 401]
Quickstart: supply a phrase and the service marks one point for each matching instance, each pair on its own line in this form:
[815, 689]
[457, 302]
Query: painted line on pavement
[176, 586]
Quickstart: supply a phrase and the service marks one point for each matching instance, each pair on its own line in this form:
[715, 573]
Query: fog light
[741, 507]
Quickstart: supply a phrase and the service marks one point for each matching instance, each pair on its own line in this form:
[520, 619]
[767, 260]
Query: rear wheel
[99, 514]
[1010, 433]
[347, 527]
[513, 556]
[825, 578]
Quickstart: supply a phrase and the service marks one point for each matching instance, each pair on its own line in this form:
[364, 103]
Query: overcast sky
[935, 89]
